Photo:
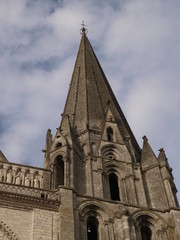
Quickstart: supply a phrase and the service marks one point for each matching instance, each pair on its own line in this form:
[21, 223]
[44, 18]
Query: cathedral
[96, 183]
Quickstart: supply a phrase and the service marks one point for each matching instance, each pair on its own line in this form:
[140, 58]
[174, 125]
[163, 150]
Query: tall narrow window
[92, 228]
[146, 233]
[59, 171]
[114, 188]
[110, 134]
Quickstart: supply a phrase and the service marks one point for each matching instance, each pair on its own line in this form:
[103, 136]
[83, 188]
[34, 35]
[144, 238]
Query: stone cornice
[27, 197]
[27, 202]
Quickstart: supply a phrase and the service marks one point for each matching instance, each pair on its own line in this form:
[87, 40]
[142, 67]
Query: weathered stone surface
[96, 180]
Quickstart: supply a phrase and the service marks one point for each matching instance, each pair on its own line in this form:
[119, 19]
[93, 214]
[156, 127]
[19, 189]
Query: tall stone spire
[90, 94]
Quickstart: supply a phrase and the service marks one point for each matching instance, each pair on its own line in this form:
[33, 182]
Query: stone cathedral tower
[97, 183]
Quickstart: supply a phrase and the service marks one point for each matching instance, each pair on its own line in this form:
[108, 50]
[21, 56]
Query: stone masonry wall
[18, 222]
[45, 225]
[30, 224]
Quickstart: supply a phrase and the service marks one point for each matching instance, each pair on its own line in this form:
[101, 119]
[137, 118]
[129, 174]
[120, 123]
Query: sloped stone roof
[2, 157]
[90, 94]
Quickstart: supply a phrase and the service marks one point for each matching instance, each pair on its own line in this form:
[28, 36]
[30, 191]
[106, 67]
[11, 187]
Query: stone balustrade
[23, 175]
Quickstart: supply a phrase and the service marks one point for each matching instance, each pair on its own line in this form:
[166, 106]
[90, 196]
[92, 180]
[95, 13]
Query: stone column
[132, 190]
[125, 226]
[65, 172]
[124, 193]
[89, 180]
[118, 227]
[111, 229]
[105, 231]
[82, 229]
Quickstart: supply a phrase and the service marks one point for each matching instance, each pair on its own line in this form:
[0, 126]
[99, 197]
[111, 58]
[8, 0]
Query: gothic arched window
[113, 185]
[110, 134]
[146, 233]
[92, 228]
[59, 171]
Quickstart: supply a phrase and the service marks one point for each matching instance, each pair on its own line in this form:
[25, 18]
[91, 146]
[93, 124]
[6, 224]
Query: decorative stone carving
[24, 176]
[36, 182]
[9, 176]
[18, 177]
[27, 180]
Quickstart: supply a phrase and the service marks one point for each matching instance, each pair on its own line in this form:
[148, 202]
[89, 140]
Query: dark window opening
[59, 145]
[110, 134]
[114, 188]
[42, 195]
[59, 171]
[92, 228]
[146, 233]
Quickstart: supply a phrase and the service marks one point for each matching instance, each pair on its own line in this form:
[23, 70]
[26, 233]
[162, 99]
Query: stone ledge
[29, 191]
[15, 200]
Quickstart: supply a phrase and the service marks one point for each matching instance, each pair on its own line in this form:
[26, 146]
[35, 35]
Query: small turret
[155, 191]
[47, 149]
[148, 157]
[168, 179]
[163, 159]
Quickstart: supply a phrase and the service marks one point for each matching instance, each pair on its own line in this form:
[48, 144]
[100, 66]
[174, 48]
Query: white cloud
[137, 43]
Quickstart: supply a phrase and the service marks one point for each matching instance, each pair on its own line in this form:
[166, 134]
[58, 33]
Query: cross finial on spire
[83, 29]
[83, 24]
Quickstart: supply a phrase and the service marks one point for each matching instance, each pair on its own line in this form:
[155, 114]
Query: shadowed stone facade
[97, 183]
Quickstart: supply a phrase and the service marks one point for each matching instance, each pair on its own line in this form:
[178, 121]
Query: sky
[138, 45]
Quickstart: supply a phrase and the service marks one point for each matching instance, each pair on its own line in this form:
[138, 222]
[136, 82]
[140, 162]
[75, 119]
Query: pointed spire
[83, 104]
[148, 157]
[89, 94]
[163, 159]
